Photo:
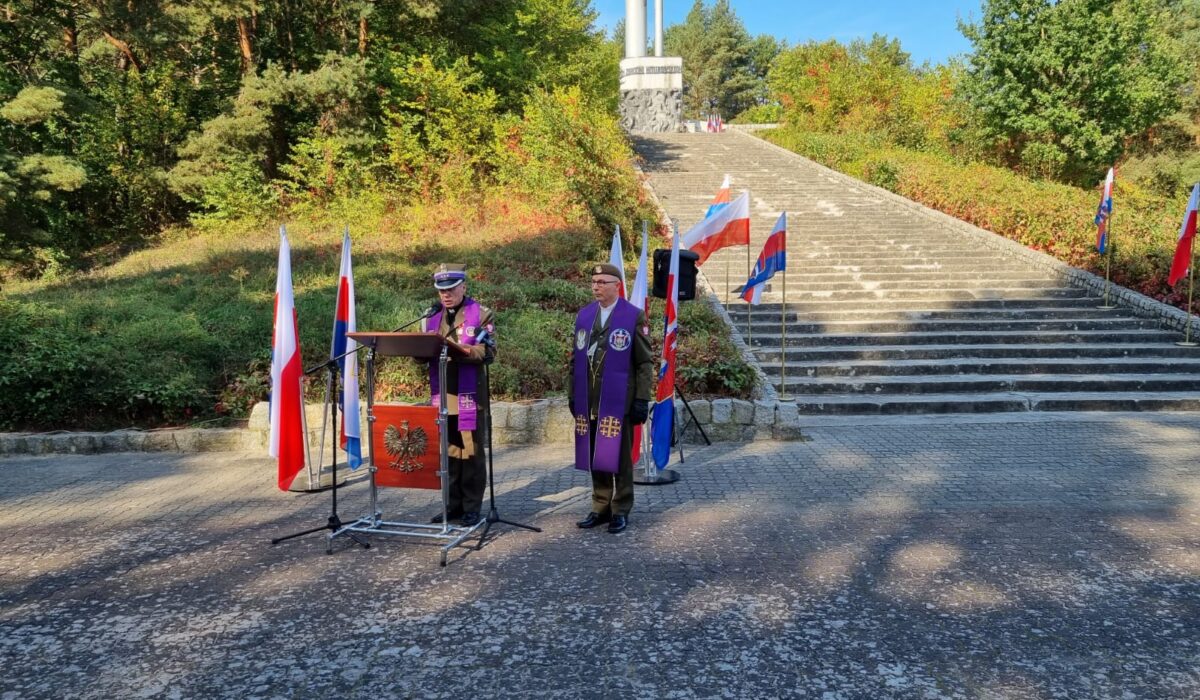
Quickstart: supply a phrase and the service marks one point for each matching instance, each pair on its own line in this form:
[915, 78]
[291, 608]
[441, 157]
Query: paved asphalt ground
[1034, 556]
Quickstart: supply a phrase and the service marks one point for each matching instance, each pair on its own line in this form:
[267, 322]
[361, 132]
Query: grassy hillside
[181, 332]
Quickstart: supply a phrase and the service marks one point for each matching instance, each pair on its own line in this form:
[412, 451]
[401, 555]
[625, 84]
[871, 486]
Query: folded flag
[772, 259]
[662, 426]
[1183, 247]
[343, 323]
[616, 257]
[287, 442]
[729, 226]
[1104, 212]
[721, 200]
[637, 297]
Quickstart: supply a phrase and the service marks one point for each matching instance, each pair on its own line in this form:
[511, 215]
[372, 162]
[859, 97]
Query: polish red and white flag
[287, 443]
[728, 226]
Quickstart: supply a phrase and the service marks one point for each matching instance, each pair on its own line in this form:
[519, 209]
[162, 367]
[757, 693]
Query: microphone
[485, 339]
[433, 309]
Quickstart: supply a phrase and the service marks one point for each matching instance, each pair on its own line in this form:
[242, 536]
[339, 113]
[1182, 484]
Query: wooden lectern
[409, 446]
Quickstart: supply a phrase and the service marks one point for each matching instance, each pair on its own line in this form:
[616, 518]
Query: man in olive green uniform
[613, 358]
[470, 324]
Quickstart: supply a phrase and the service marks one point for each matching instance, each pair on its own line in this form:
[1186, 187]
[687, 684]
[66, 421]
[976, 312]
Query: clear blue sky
[928, 29]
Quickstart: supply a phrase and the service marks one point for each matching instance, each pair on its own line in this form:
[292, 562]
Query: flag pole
[726, 285]
[1109, 240]
[783, 340]
[1187, 341]
[750, 309]
[1109, 249]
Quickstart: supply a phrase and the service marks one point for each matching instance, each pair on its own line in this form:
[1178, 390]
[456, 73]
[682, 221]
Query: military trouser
[468, 467]
[613, 493]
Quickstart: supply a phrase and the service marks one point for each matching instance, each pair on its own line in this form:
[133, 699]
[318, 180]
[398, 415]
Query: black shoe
[592, 520]
[469, 519]
[453, 515]
[618, 524]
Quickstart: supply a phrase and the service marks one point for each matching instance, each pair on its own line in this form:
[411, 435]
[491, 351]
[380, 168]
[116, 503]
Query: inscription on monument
[651, 70]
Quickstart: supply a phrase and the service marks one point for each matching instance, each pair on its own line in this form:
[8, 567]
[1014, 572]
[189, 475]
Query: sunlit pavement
[1029, 557]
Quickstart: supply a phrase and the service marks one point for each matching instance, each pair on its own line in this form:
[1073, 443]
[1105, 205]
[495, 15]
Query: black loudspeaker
[687, 273]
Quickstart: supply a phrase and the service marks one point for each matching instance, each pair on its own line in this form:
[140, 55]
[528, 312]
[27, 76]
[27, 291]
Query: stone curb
[174, 440]
[545, 421]
[1140, 304]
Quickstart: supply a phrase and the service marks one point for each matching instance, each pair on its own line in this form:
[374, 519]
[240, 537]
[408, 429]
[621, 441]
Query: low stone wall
[524, 423]
[177, 440]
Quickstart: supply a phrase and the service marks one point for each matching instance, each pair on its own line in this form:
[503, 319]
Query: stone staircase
[890, 312]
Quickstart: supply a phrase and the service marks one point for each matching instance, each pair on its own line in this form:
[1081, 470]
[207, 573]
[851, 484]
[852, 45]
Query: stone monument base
[652, 94]
[652, 110]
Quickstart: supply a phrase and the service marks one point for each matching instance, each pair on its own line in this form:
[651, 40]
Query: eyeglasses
[596, 282]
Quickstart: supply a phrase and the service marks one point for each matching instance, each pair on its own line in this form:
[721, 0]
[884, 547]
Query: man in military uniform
[608, 389]
[470, 324]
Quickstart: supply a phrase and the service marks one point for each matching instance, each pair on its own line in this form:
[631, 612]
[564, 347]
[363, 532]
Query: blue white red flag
[721, 200]
[287, 443]
[772, 259]
[1104, 213]
[662, 426]
[1187, 234]
[729, 226]
[616, 257]
[638, 296]
[343, 323]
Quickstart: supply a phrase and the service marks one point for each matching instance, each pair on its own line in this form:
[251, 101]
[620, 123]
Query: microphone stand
[493, 515]
[335, 522]
[429, 312]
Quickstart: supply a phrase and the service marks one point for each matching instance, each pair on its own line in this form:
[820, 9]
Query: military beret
[606, 269]
[449, 275]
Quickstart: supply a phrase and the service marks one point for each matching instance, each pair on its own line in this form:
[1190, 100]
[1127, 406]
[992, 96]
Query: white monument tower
[651, 86]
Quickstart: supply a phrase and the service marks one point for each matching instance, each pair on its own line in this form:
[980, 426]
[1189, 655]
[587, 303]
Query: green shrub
[708, 363]
[761, 114]
[882, 173]
[1166, 174]
[568, 144]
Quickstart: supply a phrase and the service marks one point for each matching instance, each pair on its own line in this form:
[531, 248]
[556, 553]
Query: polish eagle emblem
[405, 446]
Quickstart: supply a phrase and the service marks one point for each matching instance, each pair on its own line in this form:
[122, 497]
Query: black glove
[639, 412]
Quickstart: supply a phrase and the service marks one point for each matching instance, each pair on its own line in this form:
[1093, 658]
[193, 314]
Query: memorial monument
[651, 86]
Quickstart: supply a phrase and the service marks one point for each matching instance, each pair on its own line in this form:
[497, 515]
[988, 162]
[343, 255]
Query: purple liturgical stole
[614, 385]
[468, 375]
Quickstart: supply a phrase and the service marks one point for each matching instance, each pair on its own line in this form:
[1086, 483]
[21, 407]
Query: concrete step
[768, 330]
[979, 366]
[917, 296]
[855, 259]
[890, 353]
[773, 327]
[995, 403]
[804, 286]
[990, 383]
[840, 275]
[770, 314]
[972, 338]
[853, 308]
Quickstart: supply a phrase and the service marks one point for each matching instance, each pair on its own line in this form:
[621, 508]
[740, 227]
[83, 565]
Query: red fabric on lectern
[406, 446]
